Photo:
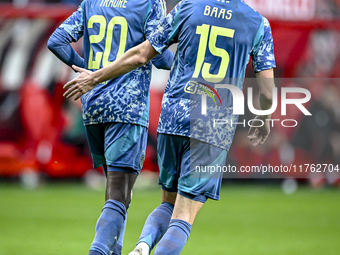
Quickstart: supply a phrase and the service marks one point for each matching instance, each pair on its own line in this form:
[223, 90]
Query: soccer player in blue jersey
[215, 41]
[116, 112]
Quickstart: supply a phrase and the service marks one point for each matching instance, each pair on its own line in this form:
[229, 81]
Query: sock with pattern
[156, 225]
[108, 228]
[173, 241]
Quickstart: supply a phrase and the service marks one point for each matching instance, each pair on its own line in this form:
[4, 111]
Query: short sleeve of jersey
[155, 15]
[167, 32]
[74, 25]
[263, 52]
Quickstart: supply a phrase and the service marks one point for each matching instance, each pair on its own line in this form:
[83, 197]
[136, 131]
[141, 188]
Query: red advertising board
[285, 9]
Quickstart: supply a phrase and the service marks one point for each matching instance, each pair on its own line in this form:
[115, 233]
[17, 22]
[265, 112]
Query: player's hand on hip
[259, 131]
[80, 85]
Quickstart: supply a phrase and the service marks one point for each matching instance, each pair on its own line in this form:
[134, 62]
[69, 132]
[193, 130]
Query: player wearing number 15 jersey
[116, 112]
[215, 39]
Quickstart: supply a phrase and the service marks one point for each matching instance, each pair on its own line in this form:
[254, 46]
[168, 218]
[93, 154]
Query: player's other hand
[259, 134]
[80, 85]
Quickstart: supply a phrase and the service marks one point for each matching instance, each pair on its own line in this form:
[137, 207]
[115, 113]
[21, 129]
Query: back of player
[216, 39]
[115, 112]
[111, 27]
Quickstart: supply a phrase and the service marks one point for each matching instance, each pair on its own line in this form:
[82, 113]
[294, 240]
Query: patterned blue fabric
[109, 227]
[175, 238]
[215, 42]
[119, 145]
[111, 27]
[263, 53]
[156, 224]
[178, 159]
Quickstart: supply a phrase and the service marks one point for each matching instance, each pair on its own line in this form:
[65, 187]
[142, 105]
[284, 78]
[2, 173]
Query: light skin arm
[265, 81]
[130, 60]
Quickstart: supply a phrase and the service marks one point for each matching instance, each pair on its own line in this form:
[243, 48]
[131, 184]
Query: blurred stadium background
[50, 197]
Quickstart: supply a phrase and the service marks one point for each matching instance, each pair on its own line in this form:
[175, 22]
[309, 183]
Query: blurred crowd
[324, 8]
[315, 140]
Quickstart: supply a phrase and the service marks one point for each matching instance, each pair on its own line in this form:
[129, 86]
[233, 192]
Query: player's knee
[119, 186]
[120, 196]
[169, 197]
[127, 200]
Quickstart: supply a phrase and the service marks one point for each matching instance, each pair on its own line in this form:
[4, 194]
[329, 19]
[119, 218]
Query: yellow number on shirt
[94, 63]
[218, 52]
[123, 35]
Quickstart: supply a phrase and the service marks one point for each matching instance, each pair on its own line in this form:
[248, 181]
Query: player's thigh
[186, 209]
[201, 176]
[119, 145]
[125, 146]
[95, 137]
[170, 149]
[119, 186]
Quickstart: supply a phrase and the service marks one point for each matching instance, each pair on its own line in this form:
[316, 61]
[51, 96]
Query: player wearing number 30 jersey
[215, 39]
[116, 112]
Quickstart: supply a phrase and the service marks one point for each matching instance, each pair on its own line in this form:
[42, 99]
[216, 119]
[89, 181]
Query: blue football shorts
[119, 145]
[190, 167]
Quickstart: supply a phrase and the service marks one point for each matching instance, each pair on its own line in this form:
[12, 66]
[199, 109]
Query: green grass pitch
[248, 220]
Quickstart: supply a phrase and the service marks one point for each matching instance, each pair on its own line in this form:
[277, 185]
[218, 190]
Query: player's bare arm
[130, 60]
[265, 81]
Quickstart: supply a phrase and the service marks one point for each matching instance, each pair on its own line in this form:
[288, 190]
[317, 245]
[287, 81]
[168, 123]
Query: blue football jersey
[111, 27]
[215, 42]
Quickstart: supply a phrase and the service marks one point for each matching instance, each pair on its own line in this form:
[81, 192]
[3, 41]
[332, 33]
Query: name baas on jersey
[111, 27]
[214, 48]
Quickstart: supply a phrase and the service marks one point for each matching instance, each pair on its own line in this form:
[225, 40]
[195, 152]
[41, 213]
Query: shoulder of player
[256, 14]
[251, 9]
[187, 3]
[85, 4]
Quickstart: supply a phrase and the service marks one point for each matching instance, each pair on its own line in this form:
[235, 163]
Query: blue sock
[172, 243]
[119, 246]
[156, 225]
[108, 228]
